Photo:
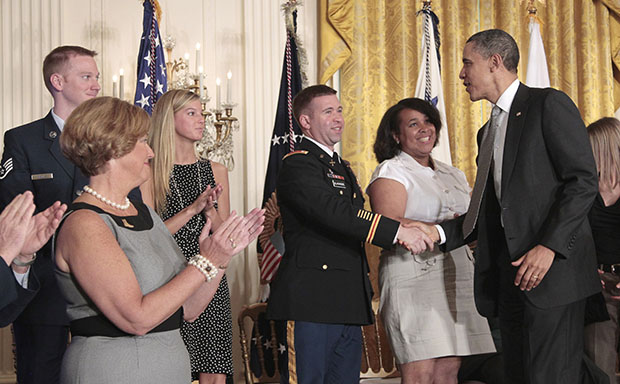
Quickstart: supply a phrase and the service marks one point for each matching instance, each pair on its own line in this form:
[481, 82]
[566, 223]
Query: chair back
[377, 357]
[260, 347]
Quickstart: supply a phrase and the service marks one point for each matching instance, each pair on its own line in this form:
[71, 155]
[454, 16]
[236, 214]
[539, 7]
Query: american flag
[152, 76]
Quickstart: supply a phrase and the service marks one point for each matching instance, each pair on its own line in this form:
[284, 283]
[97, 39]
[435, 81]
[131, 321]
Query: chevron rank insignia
[6, 168]
[374, 219]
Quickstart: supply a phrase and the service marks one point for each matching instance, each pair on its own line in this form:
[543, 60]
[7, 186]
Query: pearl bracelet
[204, 265]
[27, 263]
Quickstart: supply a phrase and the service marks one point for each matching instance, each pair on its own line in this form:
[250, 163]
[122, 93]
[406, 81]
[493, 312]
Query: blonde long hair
[161, 140]
[605, 140]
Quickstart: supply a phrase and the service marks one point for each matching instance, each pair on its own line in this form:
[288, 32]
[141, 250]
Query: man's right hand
[414, 238]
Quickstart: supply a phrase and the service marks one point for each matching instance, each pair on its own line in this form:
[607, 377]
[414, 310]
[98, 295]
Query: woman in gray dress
[126, 282]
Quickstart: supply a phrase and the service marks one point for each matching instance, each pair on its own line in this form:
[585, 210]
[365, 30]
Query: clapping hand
[200, 203]
[16, 222]
[212, 197]
[44, 225]
[232, 236]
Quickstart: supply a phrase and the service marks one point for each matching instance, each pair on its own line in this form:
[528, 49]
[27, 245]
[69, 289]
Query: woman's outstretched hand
[233, 235]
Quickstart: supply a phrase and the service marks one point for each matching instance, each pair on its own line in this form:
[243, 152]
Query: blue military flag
[286, 133]
[152, 76]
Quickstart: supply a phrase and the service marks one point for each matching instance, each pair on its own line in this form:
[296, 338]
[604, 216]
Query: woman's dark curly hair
[385, 146]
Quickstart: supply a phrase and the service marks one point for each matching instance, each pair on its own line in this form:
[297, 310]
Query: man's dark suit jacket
[548, 184]
[14, 297]
[323, 276]
[38, 165]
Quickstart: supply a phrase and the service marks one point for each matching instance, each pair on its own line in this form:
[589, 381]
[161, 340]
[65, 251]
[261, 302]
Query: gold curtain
[384, 40]
[614, 26]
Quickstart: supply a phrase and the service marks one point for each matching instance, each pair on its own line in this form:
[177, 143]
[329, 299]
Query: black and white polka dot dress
[208, 338]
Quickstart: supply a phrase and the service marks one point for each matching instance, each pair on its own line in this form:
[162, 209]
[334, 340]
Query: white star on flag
[282, 349]
[275, 140]
[267, 344]
[148, 60]
[160, 87]
[146, 80]
[144, 101]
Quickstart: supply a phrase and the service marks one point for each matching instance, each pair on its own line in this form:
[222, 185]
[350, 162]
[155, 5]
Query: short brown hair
[385, 146]
[102, 129]
[55, 61]
[306, 95]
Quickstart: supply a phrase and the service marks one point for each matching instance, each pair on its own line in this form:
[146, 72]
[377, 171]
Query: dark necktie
[484, 164]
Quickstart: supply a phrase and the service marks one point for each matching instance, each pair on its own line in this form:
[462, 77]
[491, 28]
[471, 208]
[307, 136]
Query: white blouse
[432, 195]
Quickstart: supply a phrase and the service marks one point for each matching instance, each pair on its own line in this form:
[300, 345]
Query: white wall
[245, 36]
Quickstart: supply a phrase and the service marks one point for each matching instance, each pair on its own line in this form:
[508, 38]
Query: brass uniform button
[340, 192]
[324, 266]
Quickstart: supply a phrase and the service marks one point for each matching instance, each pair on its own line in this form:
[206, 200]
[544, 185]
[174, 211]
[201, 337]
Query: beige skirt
[427, 305]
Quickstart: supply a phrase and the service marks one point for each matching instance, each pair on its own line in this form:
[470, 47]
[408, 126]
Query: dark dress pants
[39, 351]
[318, 353]
[541, 346]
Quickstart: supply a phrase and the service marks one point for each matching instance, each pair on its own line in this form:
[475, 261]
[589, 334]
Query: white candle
[121, 88]
[218, 92]
[114, 86]
[228, 87]
[186, 59]
[200, 83]
[198, 61]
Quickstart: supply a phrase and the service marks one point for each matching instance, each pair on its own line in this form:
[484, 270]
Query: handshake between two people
[417, 236]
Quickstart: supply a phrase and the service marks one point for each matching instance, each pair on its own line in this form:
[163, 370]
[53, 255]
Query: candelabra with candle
[217, 140]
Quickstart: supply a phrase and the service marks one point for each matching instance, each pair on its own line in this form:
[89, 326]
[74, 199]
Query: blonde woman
[601, 338]
[184, 192]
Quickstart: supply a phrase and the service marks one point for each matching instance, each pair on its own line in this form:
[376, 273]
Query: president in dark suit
[322, 288]
[536, 181]
[32, 161]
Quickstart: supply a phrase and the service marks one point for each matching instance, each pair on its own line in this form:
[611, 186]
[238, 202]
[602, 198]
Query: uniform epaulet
[302, 152]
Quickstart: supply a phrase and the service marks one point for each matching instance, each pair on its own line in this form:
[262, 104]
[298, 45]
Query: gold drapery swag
[377, 47]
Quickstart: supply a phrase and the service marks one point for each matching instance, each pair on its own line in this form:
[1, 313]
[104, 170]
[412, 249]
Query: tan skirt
[427, 305]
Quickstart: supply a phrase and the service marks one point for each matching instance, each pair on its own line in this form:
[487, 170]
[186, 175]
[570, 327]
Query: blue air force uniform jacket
[32, 160]
[323, 276]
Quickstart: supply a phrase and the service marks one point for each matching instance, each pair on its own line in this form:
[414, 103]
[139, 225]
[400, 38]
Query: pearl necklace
[122, 207]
